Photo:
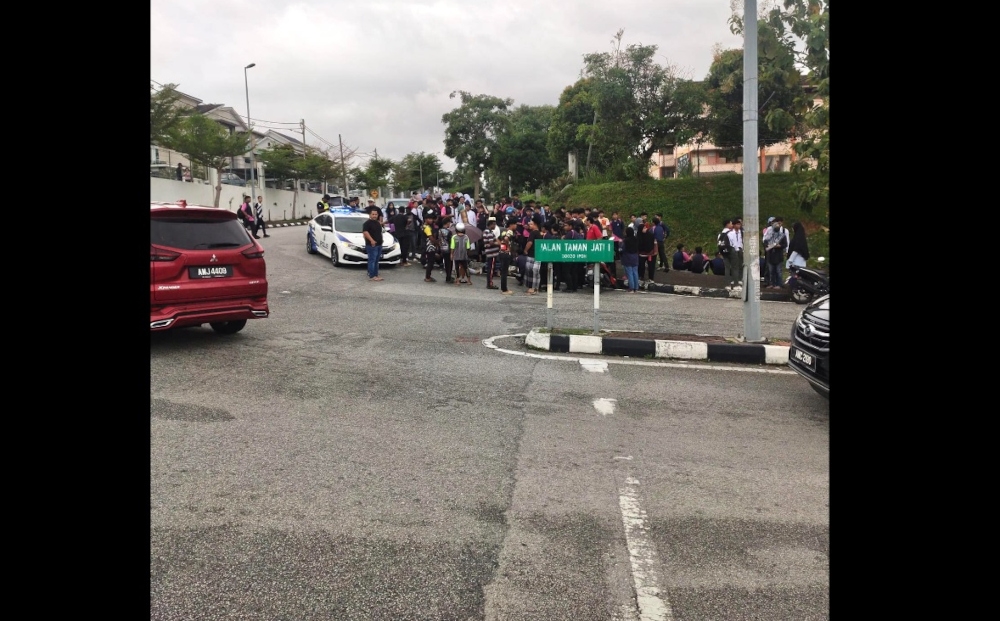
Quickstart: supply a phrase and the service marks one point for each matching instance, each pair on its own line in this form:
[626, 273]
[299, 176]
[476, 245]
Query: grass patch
[695, 207]
[583, 331]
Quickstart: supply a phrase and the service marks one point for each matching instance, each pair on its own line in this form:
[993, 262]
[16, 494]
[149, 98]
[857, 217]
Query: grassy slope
[694, 208]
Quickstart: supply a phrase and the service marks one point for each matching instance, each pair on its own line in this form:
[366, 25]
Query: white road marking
[594, 366]
[624, 457]
[605, 406]
[653, 605]
[489, 342]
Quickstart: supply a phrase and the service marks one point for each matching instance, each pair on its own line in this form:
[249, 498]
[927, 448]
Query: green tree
[317, 166]
[376, 174]
[416, 170]
[165, 114]
[281, 162]
[208, 143]
[572, 123]
[779, 91]
[804, 26]
[641, 106]
[521, 153]
[472, 130]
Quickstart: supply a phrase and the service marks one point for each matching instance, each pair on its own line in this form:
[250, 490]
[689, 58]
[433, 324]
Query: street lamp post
[253, 145]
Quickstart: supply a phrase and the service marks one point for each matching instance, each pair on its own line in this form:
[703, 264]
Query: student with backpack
[725, 247]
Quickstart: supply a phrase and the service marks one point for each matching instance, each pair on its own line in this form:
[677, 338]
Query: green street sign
[574, 251]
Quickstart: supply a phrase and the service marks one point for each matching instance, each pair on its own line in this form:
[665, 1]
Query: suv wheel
[228, 327]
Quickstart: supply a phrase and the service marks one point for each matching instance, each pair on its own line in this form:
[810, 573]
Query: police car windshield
[348, 225]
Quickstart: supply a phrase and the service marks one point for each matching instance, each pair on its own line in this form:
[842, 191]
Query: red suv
[204, 267]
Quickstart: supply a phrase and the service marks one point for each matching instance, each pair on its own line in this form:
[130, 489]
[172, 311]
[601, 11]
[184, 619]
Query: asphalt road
[362, 455]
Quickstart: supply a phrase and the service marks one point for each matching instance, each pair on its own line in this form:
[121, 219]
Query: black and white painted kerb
[747, 353]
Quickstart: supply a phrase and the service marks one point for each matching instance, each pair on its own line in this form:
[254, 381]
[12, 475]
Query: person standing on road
[798, 250]
[372, 231]
[444, 247]
[460, 246]
[736, 262]
[431, 247]
[180, 171]
[775, 243]
[491, 250]
[630, 259]
[399, 222]
[726, 250]
[647, 253]
[248, 218]
[661, 232]
[258, 212]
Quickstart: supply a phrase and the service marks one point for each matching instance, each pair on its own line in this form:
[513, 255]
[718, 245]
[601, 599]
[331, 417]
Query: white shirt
[736, 239]
[472, 216]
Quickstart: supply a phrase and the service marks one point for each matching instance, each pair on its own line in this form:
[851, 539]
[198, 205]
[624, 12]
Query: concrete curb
[280, 224]
[608, 345]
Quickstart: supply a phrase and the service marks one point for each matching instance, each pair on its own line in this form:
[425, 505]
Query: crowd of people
[451, 233]
[460, 237]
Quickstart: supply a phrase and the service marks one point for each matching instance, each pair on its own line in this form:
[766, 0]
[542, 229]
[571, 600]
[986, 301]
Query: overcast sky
[379, 72]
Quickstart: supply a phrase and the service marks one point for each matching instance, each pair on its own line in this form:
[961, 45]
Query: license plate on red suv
[215, 271]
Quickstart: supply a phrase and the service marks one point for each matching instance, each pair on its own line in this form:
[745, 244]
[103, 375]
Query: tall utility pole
[751, 230]
[342, 164]
[302, 124]
[253, 141]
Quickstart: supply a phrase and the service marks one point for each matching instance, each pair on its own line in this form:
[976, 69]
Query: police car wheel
[334, 257]
[309, 245]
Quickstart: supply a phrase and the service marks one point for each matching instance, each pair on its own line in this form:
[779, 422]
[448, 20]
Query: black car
[809, 354]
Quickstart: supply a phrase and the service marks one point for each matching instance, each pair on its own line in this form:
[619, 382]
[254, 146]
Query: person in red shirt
[594, 230]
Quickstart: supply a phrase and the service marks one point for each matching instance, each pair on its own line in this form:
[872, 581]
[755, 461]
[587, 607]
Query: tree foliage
[281, 162]
[779, 92]
[572, 123]
[164, 114]
[206, 142]
[416, 170]
[376, 174]
[472, 131]
[640, 105]
[804, 26]
[522, 156]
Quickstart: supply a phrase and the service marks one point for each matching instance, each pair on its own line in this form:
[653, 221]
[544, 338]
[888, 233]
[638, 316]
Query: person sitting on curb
[718, 265]
[682, 260]
[700, 261]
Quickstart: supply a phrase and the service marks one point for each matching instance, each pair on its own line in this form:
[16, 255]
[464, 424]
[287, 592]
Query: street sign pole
[548, 309]
[597, 297]
[576, 251]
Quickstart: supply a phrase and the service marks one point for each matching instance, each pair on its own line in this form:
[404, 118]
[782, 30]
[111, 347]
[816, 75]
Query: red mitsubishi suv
[204, 267]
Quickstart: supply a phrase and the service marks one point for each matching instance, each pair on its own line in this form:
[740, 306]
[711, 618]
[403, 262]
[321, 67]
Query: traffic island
[656, 345]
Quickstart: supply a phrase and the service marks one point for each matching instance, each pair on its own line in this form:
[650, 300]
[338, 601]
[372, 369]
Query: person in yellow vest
[323, 205]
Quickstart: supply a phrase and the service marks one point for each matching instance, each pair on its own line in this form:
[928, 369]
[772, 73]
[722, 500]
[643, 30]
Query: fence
[278, 204]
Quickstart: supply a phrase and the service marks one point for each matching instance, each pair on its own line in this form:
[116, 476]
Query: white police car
[338, 234]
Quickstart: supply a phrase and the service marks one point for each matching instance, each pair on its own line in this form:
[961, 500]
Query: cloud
[379, 73]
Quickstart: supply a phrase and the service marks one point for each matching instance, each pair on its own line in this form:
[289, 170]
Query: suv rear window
[197, 233]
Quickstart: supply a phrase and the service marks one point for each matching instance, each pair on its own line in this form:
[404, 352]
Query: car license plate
[800, 356]
[215, 271]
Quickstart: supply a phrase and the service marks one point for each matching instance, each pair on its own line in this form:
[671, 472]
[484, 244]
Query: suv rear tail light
[254, 253]
[160, 254]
